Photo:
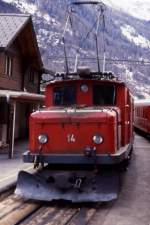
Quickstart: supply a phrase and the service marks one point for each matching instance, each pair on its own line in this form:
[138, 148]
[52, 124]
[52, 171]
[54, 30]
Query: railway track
[15, 211]
[132, 206]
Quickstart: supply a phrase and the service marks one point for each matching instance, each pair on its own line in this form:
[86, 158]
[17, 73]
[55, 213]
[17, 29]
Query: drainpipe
[12, 136]
[39, 82]
[23, 80]
[8, 123]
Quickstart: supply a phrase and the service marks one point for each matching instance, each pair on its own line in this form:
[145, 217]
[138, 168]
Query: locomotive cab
[83, 119]
[86, 123]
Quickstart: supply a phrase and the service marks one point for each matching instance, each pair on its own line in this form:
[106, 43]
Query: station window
[31, 76]
[104, 95]
[64, 96]
[8, 66]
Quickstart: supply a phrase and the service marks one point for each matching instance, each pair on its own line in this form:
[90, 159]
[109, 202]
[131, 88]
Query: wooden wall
[31, 86]
[20, 71]
[12, 82]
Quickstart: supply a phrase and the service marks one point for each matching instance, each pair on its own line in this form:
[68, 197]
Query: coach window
[144, 112]
[104, 95]
[64, 96]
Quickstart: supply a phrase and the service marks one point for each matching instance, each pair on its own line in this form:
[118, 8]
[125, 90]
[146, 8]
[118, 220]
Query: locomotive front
[86, 123]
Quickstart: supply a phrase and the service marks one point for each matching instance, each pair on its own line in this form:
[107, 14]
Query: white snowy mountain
[126, 36]
[137, 8]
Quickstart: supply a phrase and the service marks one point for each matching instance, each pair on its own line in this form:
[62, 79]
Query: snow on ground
[23, 5]
[47, 17]
[135, 85]
[131, 34]
[8, 1]
[27, 8]
[136, 8]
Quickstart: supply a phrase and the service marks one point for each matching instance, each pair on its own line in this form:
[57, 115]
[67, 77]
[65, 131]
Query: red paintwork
[82, 98]
[142, 115]
[83, 126]
[113, 123]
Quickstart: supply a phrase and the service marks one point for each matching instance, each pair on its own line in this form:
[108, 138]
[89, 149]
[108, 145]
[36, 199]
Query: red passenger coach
[87, 122]
[142, 115]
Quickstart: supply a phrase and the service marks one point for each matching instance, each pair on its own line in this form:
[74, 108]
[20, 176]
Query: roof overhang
[22, 96]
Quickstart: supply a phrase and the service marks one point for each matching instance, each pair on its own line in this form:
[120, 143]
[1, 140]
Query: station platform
[9, 168]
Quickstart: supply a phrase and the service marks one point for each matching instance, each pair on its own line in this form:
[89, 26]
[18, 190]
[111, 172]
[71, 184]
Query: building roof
[21, 95]
[20, 27]
[10, 26]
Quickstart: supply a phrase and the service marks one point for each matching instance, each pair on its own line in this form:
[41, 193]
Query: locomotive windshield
[64, 96]
[104, 95]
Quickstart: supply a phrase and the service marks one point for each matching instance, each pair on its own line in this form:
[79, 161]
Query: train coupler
[78, 183]
[90, 151]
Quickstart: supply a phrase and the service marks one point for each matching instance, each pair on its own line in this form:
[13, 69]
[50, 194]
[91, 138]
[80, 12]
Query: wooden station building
[21, 68]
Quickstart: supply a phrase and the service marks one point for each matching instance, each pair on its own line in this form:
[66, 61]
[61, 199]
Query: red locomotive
[87, 122]
[82, 116]
[142, 115]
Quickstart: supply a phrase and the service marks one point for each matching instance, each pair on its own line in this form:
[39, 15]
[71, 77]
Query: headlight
[42, 138]
[97, 139]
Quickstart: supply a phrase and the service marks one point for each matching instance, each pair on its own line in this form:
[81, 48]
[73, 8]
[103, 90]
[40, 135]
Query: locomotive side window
[104, 95]
[63, 96]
